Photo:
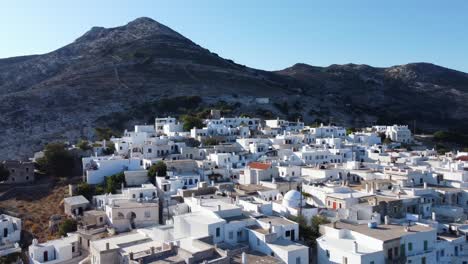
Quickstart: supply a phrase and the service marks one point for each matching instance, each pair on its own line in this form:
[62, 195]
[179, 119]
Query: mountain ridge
[66, 93]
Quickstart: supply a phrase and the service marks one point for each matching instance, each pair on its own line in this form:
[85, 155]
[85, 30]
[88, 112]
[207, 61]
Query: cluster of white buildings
[236, 201]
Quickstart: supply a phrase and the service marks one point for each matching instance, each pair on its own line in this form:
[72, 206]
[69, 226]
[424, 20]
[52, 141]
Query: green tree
[316, 221]
[57, 160]
[67, 226]
[191, 122]
[86, 190]
[114, 182]
[110, 148]
[159, 169]
[104, 133]
[4, 173]
[387, 141]
[191, 142]
[84, 145]
[350, 130]
[210, 142]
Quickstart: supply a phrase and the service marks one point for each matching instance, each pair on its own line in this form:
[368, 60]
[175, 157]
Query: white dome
[292, 199]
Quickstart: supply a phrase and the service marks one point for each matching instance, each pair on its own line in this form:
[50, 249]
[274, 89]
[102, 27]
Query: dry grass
[35, 209]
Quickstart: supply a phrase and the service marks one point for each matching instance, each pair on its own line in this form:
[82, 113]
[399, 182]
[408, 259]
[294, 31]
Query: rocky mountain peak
[141, 28]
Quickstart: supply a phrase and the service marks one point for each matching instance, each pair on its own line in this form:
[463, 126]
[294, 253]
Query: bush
[159, 169]
[387, 141]
[350, 130]
[210, 142]
[84, 145]
[110, 148]
[67, 226]
[104, 133]
[191, 122]
[191, 142]
[86, 190]
[114, 182]
[57, 160]
[4, 173]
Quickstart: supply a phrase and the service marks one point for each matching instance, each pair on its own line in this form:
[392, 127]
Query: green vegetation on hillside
[57, 160]
[4, 173]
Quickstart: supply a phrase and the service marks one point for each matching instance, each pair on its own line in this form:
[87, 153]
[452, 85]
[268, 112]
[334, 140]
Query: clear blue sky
[268, 35]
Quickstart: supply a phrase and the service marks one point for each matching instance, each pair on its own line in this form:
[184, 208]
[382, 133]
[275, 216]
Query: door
[46, 256]
[334, 205]
[293, 234]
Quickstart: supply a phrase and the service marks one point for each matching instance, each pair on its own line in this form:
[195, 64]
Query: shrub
[191, 122]
[114, 182]
[57, 160]
[67, 226]
[158, 169]
[4, 173]
[86, 190]
[110, 148]
[210, 142]
[104, 133]
[84, 145]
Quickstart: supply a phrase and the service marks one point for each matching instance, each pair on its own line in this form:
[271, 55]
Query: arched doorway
[131, 219]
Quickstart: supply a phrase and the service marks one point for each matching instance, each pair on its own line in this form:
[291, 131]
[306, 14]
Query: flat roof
[287, 245]
[346, 245]
[132, 204]
[382, 232]
[255, 257]
[115, 241]
[276, 220]
[76, 200]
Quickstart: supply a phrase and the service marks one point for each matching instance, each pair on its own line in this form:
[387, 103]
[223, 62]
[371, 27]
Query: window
[372, 262]
[390, 253]
[218, 232]
[396, 251]
[410, 246]
[423, 260]
[73, 248]
[258, 241]
[298, 260]
[425, 244]
[147, 214]
[231, 235]
[288, 233]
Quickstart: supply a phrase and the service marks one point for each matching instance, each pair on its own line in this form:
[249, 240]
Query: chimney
[107, 246]
[387, 220]
[355, 248]
[244, 258]
[334, 224]
[425, 185]
[152, 250]
[367, 187]
[219, 207]
[434, 216]
[270, 228]
[130, 255]
[407, 228]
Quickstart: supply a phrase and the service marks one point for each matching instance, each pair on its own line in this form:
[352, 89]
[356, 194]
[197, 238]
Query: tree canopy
[159, 169]
[4, 173]
[191, 122]
[67, 226]
[57, 160]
